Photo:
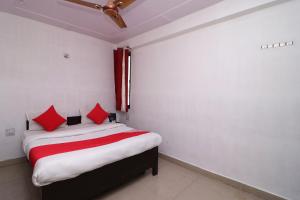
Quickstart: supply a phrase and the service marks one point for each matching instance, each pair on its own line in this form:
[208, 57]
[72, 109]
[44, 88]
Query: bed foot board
[94, 183]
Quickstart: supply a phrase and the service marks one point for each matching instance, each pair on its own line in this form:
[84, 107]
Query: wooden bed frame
[94, 183]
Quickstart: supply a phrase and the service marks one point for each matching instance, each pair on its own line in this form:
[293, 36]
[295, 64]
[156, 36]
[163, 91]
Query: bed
[85, 173]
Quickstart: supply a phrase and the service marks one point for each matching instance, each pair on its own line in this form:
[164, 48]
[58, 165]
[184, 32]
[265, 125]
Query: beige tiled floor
[172, 183]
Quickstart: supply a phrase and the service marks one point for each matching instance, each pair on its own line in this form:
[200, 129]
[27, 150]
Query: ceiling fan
[111, 9]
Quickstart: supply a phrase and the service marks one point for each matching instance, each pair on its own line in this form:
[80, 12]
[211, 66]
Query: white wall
[223, 104]
[34, 74]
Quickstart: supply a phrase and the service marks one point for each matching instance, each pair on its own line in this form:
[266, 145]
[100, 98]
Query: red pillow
[50, 120]
[98, 115]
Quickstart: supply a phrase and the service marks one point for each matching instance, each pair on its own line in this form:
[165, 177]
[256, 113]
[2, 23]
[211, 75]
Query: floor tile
[18, 190]
[206, 188]
[173, 182]
[14, 172]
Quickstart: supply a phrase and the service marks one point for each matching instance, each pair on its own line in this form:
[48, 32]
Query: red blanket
[47, 150]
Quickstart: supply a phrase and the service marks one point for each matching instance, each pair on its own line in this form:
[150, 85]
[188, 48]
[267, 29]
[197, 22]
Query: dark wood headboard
[74, 120]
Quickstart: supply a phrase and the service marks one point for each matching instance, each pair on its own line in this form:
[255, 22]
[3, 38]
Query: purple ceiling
[142, 16]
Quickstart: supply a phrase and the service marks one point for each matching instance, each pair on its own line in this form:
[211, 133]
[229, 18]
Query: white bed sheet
[71, 164]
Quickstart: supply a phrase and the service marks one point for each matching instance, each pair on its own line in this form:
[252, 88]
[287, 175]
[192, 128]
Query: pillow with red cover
[50, 120]
[97, 115]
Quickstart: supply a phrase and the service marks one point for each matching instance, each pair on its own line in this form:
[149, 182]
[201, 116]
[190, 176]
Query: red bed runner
[47, 150]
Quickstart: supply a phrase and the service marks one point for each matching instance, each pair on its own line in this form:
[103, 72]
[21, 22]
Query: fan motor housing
[110, 11]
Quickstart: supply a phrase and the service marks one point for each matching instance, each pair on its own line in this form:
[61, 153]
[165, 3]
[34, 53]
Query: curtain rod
[125, 47]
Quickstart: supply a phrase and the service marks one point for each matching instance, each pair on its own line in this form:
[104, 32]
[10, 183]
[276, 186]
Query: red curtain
[121, 78]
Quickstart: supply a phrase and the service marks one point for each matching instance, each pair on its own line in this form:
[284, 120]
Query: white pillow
[33, 126]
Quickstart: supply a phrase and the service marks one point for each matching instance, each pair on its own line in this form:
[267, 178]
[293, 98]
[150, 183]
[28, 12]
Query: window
[122, 78]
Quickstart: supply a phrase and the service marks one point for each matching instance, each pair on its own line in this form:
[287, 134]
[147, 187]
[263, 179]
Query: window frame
[129, 81]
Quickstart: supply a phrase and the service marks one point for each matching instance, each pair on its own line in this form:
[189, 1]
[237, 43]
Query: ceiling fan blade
[87, 4]
[116, 18]
[123, 3]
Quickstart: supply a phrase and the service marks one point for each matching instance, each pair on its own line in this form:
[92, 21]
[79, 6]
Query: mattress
[68, 165]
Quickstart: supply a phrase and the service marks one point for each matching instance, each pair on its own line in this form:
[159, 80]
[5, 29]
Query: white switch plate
[264, 46]
[282, 44]
[291, 43]
[276, 45]
[10, 132]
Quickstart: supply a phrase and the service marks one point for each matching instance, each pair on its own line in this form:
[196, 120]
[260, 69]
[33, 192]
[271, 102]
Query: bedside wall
[34, 74]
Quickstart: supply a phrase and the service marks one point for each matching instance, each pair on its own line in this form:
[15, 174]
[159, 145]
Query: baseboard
[6, 163]
[233, 183]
